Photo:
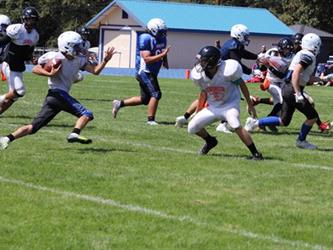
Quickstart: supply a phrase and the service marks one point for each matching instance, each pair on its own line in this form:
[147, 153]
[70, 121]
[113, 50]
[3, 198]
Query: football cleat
[180, 121]
[325, 126]
[305, 145]
[257, 157]
[73, 137]
[273, 128]
[115, 107]
[208, 146]
[223, 127]
[4, 142]
[152, 123]
[251, 124]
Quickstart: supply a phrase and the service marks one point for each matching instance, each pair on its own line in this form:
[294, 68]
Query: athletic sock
[252, 149]
[187, 115]
[269, 121]
[151, 118]
[122, 104]
[76, 131]
[305, 129]
[11, 137]
[265, 101]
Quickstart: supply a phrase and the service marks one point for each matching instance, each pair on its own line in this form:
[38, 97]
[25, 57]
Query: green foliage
[61, 15]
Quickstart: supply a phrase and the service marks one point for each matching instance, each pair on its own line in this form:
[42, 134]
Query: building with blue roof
[190, 27]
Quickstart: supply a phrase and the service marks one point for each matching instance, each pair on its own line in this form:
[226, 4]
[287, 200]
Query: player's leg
[197, 126]
[232, 117]
[311, 117]
[46, 114]
[16, 90]
[65, 102]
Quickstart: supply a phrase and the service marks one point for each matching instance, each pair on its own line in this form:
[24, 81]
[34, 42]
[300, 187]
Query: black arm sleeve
[248, 55]
[4, 40]
[279, 74]
[233, 54]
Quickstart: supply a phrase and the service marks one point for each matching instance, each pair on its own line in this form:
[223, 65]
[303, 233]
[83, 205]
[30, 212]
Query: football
[52, 63]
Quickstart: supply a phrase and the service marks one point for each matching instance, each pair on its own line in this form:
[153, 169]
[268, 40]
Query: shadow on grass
[16, 116]
[293, 132]
[103, 150]
[96, 100]
[243, 156]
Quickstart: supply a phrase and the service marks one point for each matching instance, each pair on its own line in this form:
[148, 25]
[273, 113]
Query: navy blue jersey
[149, 43]
[234, 49]
[231, 44]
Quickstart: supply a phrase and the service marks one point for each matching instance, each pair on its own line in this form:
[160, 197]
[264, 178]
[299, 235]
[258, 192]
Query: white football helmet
[157, 27]
[4, 23]
[241, 33]
[312, 42]
[70, 43]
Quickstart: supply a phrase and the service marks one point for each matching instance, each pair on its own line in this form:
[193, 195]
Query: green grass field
[142, 187]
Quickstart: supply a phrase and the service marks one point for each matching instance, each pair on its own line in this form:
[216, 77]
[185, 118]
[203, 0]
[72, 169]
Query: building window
[124, 15]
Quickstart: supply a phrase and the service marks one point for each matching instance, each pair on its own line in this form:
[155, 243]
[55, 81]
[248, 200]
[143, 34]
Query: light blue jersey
[147, 42]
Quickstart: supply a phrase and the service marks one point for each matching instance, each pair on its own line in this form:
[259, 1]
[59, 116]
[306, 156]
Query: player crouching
[220, 83]
[60, 79]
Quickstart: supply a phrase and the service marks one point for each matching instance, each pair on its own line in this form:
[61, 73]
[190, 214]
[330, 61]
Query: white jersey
[223, 90]
[20, 36]
[21, 46]
[68, 72]
[308, 60]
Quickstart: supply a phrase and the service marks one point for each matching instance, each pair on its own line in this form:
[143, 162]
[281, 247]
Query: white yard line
[160, 214]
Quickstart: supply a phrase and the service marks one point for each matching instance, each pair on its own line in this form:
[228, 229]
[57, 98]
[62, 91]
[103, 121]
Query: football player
[277, 60]
[151, 54]
[300, 70]
[21, 39]
[220, 83]
[233, 48]
[4, 23]
[60, 79]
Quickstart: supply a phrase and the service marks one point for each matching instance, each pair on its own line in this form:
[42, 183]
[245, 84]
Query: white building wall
[122, 34]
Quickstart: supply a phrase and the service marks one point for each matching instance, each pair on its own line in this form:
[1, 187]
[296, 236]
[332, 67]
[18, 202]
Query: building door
[121, 40]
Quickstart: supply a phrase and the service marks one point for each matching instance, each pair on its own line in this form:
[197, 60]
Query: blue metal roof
[201, 17]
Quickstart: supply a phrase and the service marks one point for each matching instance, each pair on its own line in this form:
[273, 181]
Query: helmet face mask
[208, 58]
[157, 28]
[285, 46]
[241, 33]
[30, 17]
[71, 43]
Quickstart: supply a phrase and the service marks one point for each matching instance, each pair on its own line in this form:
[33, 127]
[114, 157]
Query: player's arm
[165, 62]
[39, 70]
[148, 58]
[202, 101]
[246, 94]
[96, 69]
[4, 40]
[248, 55]
[295, 79]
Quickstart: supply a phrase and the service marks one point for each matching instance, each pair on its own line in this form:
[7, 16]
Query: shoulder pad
[13, 30]
[195, 75]
[306, 59]
[232, 70]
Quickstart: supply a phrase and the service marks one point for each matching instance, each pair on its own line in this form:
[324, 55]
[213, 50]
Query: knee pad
[157, 95]
[192, 128]
[89, 114]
